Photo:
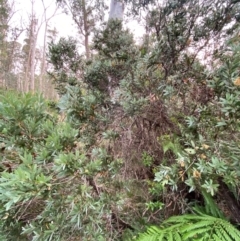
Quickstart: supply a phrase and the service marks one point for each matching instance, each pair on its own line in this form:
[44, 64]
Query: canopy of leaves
[66, 62]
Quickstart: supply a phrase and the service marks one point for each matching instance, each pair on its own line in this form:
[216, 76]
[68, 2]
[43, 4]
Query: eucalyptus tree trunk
[43, 61]
[31, 53]
[33, 42]
[86, 29]
[116, 9]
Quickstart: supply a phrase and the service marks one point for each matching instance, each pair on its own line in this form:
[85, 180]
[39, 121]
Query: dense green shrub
[51, 188]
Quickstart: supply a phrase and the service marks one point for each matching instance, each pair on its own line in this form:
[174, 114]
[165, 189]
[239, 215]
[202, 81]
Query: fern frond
[170, 236]
[157, 234]
[195, 226]
[191, 227]
[230, 229]
[177, 237]
[179, 219]
[153, 233]
[223, 234]
[195, 233]
[216, 237]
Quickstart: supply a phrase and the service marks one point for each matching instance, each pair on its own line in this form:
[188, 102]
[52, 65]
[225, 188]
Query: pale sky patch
[62, 22]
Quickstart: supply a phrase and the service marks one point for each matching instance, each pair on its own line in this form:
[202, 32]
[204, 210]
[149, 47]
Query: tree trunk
[116, 9]
[43, 64]
[33, 54]
[43, 60]
[86, 30]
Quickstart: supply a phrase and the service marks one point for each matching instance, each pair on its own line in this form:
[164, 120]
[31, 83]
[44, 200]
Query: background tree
[86, 15]
[116, 10]
[43, 70]
[6, 13]
[4, 7]
[31, 52]
[67, 63]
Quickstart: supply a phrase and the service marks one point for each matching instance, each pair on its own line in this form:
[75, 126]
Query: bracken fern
[198, 227]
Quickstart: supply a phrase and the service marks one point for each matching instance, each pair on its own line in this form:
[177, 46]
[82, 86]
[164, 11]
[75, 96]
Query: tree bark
[43, 61]
[86, 30]
[116, 9]
[33, 54]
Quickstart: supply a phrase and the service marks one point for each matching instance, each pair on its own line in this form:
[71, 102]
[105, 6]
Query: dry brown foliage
[139, 134]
